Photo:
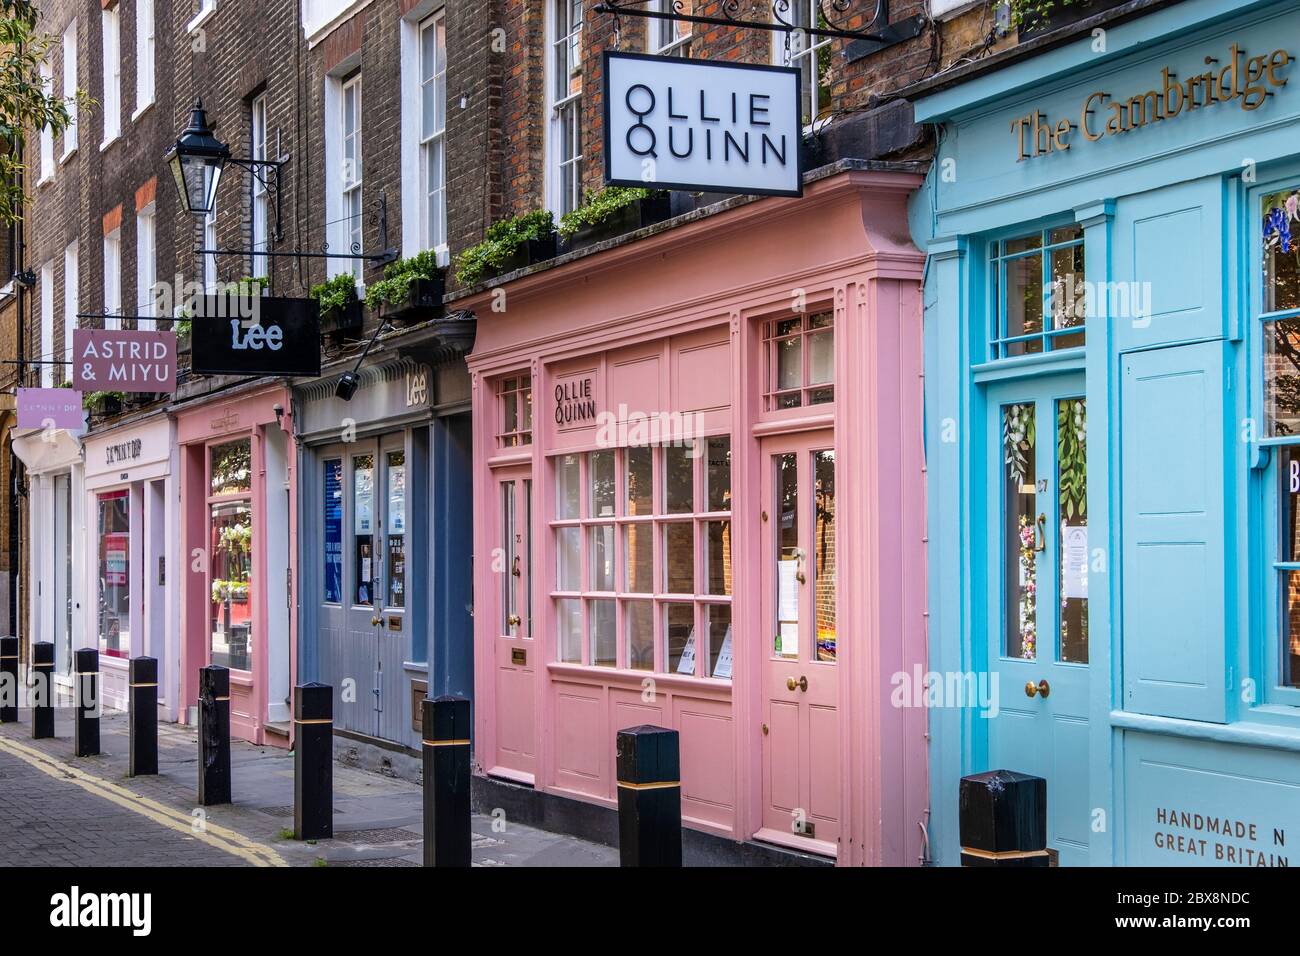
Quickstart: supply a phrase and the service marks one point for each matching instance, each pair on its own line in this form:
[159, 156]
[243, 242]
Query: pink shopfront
[237, 534]
[699, 492]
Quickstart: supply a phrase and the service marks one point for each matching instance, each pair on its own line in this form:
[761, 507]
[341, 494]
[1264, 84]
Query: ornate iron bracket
[266, 172]
[378, 218]
[880, 33]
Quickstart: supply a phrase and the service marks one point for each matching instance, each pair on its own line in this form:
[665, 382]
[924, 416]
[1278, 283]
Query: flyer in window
[788, 589]
[1074, 561]
[687, 664]
[722, 668]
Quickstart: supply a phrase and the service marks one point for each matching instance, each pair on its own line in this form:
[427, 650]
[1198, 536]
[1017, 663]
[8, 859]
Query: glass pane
[231, 607]
[509, 530]
[679, 480]
[1290, 590]
[1288, 472]
[509, 410]
[679, 558]
[789, 363]
[679, 638]
[640, 480]
[363, 566]
[788, 559]
[1022, 244]
[1024, 305]
[568, 561]
[232, 467]
[821, 357]
[717, 557]
[640, 620]
[1282, 377]
[334, 530]
[603, 635]
[638, 549]
[602, 557]
[718, 477]
[396, 529]
[1072, 543]
[718, 621]
[1019, 542]
[600, 472]
[824, 554]
[568, 614]
[1281, 212]
[1068, 233]
[115, 574]
[1067, 290]
[568, 494]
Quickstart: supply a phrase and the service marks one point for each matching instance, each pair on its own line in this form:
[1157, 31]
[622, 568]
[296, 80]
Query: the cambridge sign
[674, 123]
[257, 335]
[123, 360]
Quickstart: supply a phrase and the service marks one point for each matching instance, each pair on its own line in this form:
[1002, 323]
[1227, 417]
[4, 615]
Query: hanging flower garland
[1018, 438]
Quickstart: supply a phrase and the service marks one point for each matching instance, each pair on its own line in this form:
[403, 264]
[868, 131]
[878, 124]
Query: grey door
[392, 581]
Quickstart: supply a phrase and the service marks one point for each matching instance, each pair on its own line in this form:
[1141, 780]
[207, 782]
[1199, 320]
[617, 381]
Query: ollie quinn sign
[699, 124]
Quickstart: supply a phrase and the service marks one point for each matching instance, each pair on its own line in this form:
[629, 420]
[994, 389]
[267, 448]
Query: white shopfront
[130, 521]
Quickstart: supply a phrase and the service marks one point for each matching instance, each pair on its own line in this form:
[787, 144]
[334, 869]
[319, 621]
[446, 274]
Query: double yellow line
[223, 838]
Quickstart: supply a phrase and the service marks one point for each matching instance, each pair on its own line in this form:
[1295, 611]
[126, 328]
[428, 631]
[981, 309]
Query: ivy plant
[395, 287]
[336, 293]
[100, 399]
[602, 206]
[500, 243]
[1030, 13]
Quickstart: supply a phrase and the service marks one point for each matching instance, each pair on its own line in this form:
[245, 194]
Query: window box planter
[1062, 15]
[528, 253]
[342, 321]
[637, 215]
[423, 301]
[107, 406]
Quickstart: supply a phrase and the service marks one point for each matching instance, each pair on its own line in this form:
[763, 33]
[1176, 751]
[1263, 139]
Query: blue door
[1036, 597]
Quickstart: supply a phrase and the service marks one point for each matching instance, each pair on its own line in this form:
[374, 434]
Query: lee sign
[258, 335]
[699, 124]
[123, 360]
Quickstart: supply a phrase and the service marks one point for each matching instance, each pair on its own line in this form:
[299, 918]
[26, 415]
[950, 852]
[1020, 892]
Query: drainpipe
[15, 465]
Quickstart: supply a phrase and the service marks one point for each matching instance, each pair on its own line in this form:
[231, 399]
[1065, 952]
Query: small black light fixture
[347, 384]
[196, 160]
[279, 412]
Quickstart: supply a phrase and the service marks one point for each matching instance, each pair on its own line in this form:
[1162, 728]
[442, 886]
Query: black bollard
[42, 690]
[649, 797]
[85, 730]
[313, 762]
[214, 735]
[1003, 819]
[446, 781]
[8, 680]
[144, 717]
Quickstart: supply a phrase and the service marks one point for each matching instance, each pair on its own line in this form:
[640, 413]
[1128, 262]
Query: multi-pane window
[1280, 214]
[144, 54]
[47, 131]
[1037, 284]
[47, 324]
[230, 580]
[260, 199]
[810, 55]
[114, 573]
[566, 103]
[351, 180]
[433, 125]
[643, 576]
[668, 37]
[71, 303]
[111, 100]
[210, 243]
[516, 396]
[146, 265]
[113, 280]
[800, 360]
[333, 506]
[70, 86]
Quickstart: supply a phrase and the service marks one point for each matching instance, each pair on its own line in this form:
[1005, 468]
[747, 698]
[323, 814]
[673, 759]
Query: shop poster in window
[722, 668]
[397, 499]
[1074, 561]
[687, 664]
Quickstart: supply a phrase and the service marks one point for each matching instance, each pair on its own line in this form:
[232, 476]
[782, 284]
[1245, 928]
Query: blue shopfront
[1112, 333]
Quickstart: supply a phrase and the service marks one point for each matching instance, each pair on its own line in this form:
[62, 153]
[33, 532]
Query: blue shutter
[1172, 450]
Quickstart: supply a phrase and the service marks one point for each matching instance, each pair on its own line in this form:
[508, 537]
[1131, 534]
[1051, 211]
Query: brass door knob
[513, 620]
[374, 621]
[1042, 687]
[801, 683]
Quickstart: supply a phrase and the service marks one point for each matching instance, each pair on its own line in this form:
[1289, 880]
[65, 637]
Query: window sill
[45, 180]
[710, 686]
[67, 155]
[110, 141]
[200, 18]
[141, 110]
[1245, 732]
[1064, 360]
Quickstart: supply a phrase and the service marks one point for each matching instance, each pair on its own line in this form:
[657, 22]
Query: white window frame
[70, 89]
[111, 100]
[564, 159]
[804, 15]
[259, 198]
[145, 53]
[351, 169]
[206, 9]
[655, 30]
[47, 325]
[113, 279]
[210, 242]
[47, 131]
[433, 142]
[146, 265]
[71, 302]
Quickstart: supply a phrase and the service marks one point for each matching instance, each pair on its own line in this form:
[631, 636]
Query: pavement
[60, 810]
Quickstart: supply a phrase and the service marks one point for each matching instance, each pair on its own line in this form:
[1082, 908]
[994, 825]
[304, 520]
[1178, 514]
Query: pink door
[801, 730]
[516, 653]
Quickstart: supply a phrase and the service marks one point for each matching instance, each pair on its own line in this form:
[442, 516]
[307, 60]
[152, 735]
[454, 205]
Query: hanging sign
[50, 408]
[123, 360]
[255, 335]
[701, 124]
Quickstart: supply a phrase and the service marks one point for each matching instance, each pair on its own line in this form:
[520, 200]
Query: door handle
[1042, 688]
[374, 622]
[801, 683]
[513, 620]
[1042, 533]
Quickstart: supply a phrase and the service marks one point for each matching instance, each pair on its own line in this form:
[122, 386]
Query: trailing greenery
[1029, 13]
[100, 399]
[336, 293]
[1072, 457]
[602, 206]
[395, 287]
[500, 243]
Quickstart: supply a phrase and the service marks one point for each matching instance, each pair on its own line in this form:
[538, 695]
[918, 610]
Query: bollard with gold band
[85, 728]
[8, 680]
[214, 735]
[649, 797]
[142, 698]
[42, 690]
[313, 761]
[1003, 820]
[446, 780]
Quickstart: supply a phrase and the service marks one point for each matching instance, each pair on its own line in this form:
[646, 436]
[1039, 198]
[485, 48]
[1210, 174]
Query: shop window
[230, 544]
[515, 395]
[363, 529]
[396, 529]
[800, 360]
[643, 577]
[115, 573]
[1280, 215]
[1037, 281]
[333, 504]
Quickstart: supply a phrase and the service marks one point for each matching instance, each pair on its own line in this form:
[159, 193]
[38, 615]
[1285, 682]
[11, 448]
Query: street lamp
[196, 160]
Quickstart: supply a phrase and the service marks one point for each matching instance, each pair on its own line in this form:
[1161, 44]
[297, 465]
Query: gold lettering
[1088, 134]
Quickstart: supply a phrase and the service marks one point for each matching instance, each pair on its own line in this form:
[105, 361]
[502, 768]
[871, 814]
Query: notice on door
[1074, 561]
